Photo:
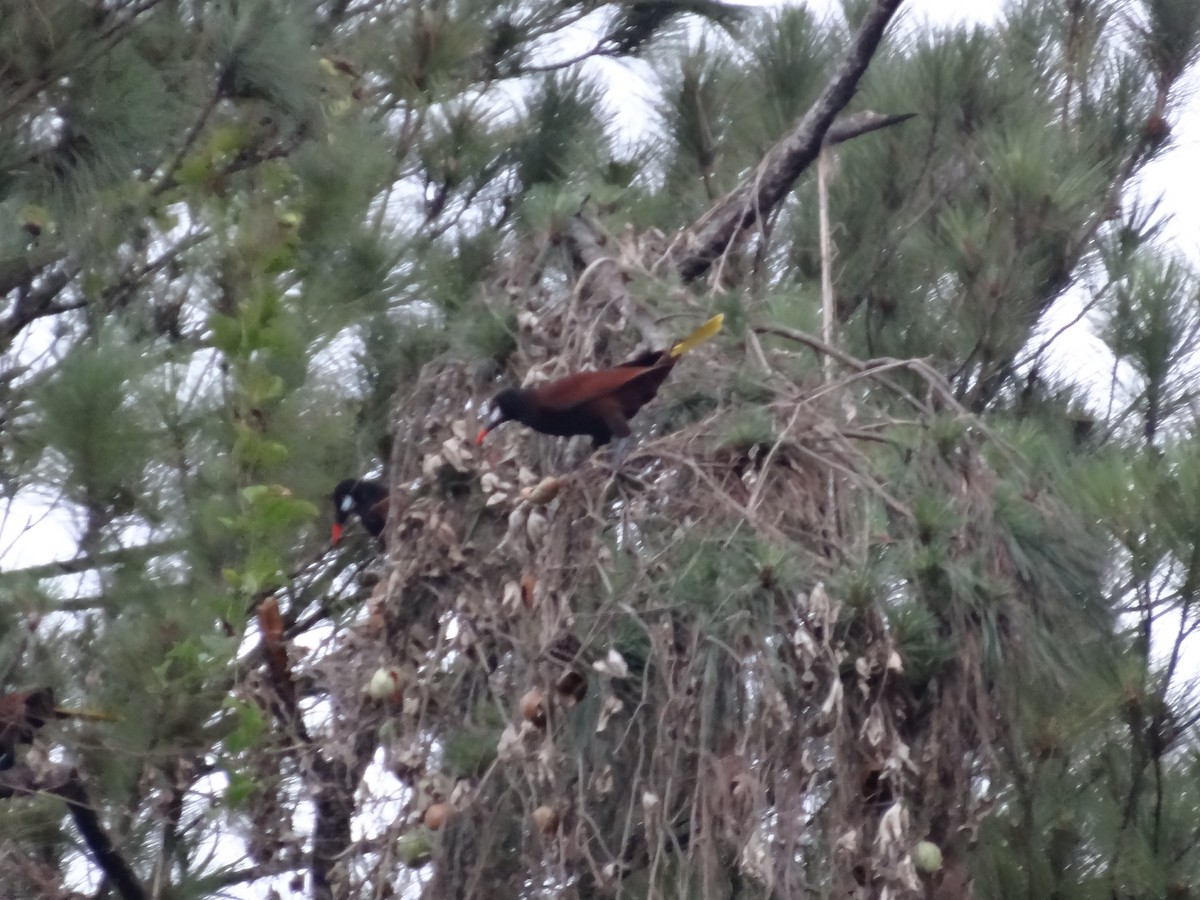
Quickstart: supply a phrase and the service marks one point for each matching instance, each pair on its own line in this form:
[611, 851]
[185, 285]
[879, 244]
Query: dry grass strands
[713, 622]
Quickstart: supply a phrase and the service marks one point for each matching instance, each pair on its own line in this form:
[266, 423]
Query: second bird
[598, 403]
[365, 496]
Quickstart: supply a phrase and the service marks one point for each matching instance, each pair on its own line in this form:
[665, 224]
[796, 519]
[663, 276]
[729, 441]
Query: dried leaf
[528, 584]
[611, 707]
[874, 730]
[544, 492]
[602, 781]
[823, 609]
[512, 596]
[457, 453]
[893, 827]
[536, 526]
[833, 703]
[460, 796]
[509, 746]
[571, 688]
[906, 873]
[431, 465]
[612, 665]
[491, 482]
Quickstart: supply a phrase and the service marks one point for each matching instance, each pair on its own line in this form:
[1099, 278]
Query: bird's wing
[582, 387]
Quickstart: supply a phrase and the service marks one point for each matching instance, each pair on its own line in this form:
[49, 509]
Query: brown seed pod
[436, 815]
[571, 687]
[533, 709]
[528, 583]
[546, 819]
[544, 491]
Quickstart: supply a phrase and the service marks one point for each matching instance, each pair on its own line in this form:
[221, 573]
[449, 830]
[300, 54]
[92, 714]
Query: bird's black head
[365, 496]
[508, 405]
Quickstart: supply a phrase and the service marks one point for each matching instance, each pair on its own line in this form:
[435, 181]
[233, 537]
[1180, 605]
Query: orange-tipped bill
[497, 417]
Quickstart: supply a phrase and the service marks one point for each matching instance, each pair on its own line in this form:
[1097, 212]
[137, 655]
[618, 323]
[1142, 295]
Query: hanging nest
[741, 659]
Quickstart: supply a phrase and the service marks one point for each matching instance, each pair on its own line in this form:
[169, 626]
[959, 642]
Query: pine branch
[694, 251]
[88, 562]
[64, 782]
[38, 303]
[21, 270]
[116, 867]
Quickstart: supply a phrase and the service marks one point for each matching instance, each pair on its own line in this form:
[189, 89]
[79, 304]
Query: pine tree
[883, 601]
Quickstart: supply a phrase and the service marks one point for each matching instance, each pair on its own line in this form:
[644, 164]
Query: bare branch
[603, 271]
[860, 123]
[699, 246]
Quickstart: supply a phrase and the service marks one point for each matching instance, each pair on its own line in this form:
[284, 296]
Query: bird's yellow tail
[699, 336]
[87, 715]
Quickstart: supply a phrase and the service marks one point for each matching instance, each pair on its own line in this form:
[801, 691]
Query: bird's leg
[619, 451]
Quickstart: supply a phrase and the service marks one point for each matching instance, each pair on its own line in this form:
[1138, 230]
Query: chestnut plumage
[364, 496]
[597, 403]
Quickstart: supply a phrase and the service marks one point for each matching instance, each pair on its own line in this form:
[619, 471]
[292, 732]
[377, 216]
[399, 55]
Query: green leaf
[241, 787]
[226, 333]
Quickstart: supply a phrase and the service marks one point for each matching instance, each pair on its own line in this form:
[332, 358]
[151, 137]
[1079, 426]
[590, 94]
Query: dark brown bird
[23, 713]
[598, 403]
[365, 496]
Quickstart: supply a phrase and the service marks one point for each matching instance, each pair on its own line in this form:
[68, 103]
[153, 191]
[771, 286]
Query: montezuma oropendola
[23, 713]
[365, 496]
[597, 403]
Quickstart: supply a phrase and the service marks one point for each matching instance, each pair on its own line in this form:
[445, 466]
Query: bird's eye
[347, 503]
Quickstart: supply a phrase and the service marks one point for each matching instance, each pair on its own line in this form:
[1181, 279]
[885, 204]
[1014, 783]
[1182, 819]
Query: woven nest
[582, 709]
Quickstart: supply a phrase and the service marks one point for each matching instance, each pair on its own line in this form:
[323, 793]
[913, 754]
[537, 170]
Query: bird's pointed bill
[699, 336]
[494, 419]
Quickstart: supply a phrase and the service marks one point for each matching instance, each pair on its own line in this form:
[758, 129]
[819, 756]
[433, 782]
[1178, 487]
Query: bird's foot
[620, 450]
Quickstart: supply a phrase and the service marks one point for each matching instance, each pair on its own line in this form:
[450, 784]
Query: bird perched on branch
[23, 713]
[598, 403]
[365, 496]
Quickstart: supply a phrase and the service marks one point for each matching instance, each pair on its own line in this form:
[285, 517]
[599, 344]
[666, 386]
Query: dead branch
[698, 247]
[607, 280]
[860, 123]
